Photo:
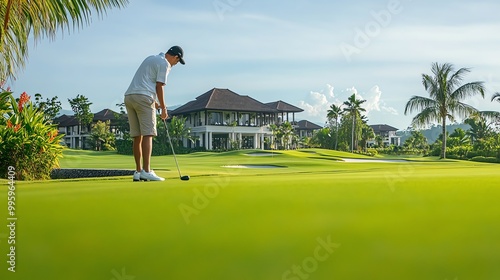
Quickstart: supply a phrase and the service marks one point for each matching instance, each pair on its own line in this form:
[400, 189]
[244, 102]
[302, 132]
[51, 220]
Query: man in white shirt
[143, 97]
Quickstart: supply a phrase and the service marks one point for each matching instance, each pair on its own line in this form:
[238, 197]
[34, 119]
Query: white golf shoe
[137, 176]
[150, 176]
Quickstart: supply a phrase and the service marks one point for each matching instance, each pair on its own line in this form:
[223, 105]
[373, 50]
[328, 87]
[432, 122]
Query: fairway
[315, 217]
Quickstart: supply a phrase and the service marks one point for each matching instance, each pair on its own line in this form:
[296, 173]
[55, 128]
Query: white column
[210, 140]
[206, 141]
[262, 141]
[255, 141]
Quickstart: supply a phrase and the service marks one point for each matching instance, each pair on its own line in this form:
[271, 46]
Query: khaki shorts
[141, 115]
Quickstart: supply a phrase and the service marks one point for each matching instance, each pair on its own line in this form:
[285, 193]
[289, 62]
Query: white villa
[220, 118]
[75, 135]
[388, 134]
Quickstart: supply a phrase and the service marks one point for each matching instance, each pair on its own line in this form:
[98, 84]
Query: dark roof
[227, 100]
[307, 125]
[382, 128]
[63, 120]
[103, 115]
[282, 106]
[222, 99]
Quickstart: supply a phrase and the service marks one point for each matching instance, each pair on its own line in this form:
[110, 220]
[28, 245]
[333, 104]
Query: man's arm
[160, 95]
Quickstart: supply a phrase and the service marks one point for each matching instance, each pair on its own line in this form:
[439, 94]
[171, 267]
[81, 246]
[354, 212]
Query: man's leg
[138, 140]
[147, 147]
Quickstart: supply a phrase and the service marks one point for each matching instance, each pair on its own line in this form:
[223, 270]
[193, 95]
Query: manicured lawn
[423, 219]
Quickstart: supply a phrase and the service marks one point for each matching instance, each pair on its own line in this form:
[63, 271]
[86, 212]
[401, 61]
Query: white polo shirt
[154, 68]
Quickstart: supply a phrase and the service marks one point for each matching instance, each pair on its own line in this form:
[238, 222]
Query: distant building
[75, 135]
[220, 117]
[388, 134]
[306, 128]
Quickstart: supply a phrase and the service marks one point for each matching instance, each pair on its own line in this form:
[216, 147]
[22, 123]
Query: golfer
[143, 97]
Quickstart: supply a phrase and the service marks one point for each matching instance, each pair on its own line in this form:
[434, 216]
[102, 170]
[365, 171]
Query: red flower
[22, 100]
[17, 127]
[9, 124]
[52, 134]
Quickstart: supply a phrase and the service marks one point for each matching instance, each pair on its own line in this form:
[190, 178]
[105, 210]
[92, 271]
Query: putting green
[318, 218]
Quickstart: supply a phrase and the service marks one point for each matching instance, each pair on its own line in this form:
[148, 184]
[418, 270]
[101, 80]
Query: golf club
[185, 177]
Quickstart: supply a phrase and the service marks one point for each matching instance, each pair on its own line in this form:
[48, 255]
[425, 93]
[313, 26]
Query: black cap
[177, 51]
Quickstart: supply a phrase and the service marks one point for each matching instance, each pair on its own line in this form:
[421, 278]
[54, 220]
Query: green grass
[423, 219]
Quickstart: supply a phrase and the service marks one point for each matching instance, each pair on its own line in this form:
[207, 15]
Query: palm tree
[367, 133]
[178, 131]
[40, 19]
[354, 109]
[333, 114]
[496, 97]
[446, 94]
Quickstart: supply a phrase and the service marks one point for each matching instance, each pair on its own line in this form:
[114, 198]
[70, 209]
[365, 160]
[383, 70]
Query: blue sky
[307, 53]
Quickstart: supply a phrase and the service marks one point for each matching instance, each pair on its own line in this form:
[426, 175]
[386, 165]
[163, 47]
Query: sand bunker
[261, 154]
[372, 160]
[252, 166]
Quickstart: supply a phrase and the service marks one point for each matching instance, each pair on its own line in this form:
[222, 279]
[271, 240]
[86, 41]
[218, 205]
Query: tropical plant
[353, 110]
[367, 133]
[101, 137]
[28, 142]
[379, 141]
[282, 134]
[322, 138]
[479, 129]
[446, 93]
[416, 142]
[38, 19]
[179, 131]
[333, 114]
[459, 137]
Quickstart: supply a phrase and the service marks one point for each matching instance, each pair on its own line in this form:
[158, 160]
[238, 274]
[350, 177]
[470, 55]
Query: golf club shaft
[173, 152]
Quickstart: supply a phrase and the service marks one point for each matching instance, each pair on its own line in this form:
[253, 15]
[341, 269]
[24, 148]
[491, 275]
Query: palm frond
[42, 19]
[461, 109]
[490, 115]
[468, 90]
[456, 79]
[428, 115]
[496, 97]
[418, 103]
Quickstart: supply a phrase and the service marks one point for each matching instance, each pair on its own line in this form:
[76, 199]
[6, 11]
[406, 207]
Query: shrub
[485, 159]
[27, 141]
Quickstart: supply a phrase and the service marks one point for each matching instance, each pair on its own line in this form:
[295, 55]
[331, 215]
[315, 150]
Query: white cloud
[318, 103]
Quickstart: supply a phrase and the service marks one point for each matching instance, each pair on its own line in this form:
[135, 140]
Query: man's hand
[163, 114]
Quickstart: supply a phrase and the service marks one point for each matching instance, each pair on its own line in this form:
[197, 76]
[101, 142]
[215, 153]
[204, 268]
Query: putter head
[185, 178]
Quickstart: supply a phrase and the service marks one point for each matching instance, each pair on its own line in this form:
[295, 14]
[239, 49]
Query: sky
[308, 53]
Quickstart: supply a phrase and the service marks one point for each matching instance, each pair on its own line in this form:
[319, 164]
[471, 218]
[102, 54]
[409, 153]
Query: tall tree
[81, 106]
[333, 114]
[354, 109]
[40, 19]
[50, 108]
[367, 133]
[446, 93]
